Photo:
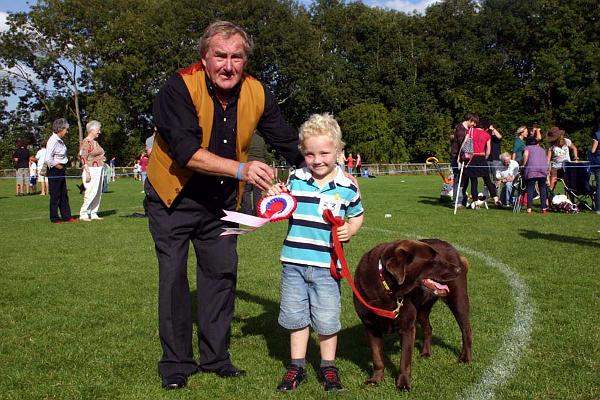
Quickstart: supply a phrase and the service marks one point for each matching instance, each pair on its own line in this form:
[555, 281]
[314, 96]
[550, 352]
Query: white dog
[480, 202]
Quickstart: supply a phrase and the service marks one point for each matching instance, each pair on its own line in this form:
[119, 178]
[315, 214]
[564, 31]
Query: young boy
[309, 294]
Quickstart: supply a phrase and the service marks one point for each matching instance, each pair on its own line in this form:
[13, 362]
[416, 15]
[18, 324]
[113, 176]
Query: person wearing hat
[558, 153]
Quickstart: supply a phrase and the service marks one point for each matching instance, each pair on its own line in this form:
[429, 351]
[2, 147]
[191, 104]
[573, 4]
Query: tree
[367, 129]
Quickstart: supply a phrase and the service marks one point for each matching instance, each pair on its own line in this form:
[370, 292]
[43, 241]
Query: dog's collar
[387, 289]
[384, 283]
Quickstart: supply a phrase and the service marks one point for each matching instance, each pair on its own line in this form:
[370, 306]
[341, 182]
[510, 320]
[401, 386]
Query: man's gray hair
[226, 29]
[59, 124]
[92, 125]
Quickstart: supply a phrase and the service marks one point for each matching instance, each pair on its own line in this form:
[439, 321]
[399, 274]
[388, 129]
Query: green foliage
[515, 63]
[367, 130]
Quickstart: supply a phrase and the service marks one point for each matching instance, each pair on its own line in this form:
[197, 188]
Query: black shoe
[228, 371]
[331, 379]
[175, 381]
[293, 377]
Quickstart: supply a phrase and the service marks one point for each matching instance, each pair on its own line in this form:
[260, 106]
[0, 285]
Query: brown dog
[416, 273]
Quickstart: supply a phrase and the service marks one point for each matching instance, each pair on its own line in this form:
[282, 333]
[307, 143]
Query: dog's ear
[413, 255]
[403, 257]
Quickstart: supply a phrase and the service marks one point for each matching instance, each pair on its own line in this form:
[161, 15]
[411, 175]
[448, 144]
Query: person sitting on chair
[505, 175]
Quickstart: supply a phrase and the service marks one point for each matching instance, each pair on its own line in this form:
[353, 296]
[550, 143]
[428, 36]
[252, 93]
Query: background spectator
[92, 160]
[536, 172]
[505, 175]
[21, 158]
[558, 153]
[40, 157]
[57, 160]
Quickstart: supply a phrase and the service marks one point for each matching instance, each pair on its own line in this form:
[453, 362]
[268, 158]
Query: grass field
[78, 304]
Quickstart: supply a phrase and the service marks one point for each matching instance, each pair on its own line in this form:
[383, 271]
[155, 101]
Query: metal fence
[372, 169]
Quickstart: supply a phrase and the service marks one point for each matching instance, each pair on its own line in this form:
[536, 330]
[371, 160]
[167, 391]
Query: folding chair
[577, 184]
[518, 191]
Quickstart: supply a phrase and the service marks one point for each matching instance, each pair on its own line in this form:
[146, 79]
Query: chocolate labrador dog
[413, 273]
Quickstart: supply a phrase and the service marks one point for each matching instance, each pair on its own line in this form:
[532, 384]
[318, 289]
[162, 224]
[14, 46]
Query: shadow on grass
[559, 238]
[352, 344]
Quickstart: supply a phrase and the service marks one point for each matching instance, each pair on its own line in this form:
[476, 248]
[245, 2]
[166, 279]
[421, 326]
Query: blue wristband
[238, 175]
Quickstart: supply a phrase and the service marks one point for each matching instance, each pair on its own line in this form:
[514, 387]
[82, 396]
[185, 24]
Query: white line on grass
[516, 339]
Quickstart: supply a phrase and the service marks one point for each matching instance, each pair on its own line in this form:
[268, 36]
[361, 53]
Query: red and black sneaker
[293, 377]
[331, 379]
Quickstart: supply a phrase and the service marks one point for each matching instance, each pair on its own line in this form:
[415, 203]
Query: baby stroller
[577, 184]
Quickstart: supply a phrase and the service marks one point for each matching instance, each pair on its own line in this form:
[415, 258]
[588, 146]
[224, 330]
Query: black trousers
[59, 198]
[198, 222]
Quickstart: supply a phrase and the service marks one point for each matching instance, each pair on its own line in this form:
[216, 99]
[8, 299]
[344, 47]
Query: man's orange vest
[167, 177]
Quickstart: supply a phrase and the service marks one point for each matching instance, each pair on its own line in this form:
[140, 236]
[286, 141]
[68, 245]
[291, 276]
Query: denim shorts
[309, 296]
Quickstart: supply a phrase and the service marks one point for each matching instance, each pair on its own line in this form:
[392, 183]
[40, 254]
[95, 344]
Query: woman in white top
[558, 154]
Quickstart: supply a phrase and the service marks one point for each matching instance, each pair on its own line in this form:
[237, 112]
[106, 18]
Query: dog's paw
[403, 383]
[375, 379]
[465, 356]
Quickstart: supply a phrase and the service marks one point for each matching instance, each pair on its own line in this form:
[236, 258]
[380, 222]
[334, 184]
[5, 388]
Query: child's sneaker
[293, 377]
[331, 379]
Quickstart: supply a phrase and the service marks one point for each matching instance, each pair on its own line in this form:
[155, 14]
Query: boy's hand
[344, 232]
[277, 189]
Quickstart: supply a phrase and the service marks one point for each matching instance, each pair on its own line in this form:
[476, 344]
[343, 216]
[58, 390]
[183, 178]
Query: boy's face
[320, 155]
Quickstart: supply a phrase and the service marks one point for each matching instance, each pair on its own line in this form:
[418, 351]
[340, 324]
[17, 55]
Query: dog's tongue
[437, 288]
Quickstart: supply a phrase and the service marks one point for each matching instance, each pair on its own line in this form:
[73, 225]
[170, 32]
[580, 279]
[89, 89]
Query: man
[57, 160]
[21, 159]
[460, 131]
[505, 175]
[205, 116]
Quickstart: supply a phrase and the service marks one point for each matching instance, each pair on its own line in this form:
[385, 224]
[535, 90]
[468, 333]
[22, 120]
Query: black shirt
[22, 156]
[177, 122]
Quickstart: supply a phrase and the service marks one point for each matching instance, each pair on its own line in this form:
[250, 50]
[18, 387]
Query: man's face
[506, 161]
[224, 62]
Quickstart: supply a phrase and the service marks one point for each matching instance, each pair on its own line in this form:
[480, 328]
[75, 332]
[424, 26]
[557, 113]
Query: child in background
[310, 296]
[32, 175]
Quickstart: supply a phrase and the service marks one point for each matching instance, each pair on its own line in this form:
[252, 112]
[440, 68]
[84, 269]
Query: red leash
[338, 254]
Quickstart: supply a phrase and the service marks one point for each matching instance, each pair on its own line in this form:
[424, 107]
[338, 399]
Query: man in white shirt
[505, 175]
[56, 158]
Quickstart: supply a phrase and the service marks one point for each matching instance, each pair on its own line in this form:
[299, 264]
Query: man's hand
[258, 174]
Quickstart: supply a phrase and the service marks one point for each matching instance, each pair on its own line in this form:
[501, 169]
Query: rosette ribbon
[270, 209]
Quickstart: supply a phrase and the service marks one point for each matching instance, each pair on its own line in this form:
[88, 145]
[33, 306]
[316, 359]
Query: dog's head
[414, 263]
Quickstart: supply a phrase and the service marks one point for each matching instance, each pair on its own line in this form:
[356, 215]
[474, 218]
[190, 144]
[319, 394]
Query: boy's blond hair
[321, 125]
